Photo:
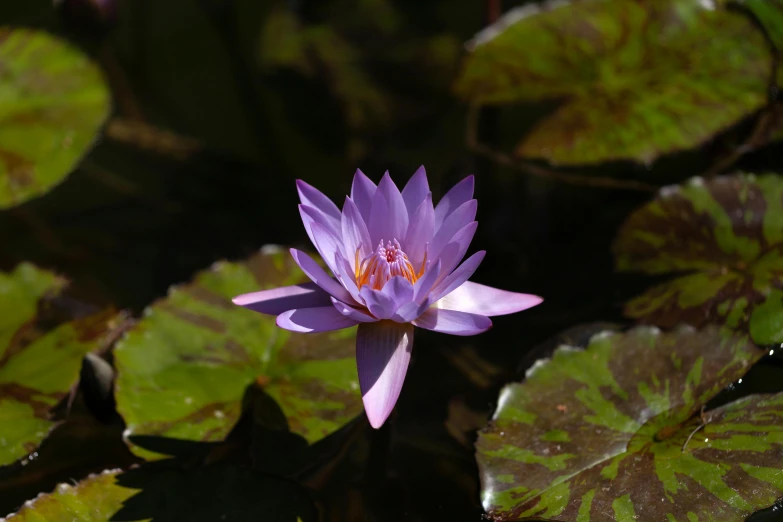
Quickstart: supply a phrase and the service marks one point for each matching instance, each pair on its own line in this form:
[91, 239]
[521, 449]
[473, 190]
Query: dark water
[135, 219]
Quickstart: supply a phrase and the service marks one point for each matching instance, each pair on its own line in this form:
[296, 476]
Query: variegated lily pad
[614, 432]
[205, 495]
[637, 79]
[726, 236]
[53, 100]
[40, 356]
[184, 368]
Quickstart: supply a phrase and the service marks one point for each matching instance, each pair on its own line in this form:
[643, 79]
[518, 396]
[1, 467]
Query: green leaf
[40, 357]
[53, 101]
[614, 432]
[770, 14]
[728, 234]
[148, 493]
[184, 368]
[637, 79]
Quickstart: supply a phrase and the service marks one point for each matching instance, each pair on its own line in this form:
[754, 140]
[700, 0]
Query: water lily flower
[395, 264]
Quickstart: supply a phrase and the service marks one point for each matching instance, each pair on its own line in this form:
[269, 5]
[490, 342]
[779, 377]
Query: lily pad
[770, 14]
[203, 495]
[637, 79]
[53, 101]
[40, 356]
[183, 369]
[614, 432]
[727, 236]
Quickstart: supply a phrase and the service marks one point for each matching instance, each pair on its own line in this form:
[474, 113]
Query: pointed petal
[360, 316]
[388, 216]
[455, 279]
[485, 300]
[453, 322]
[379, 304]
[383, 351]
[277, 300]
[327, 244]
[355, 234]
[453, 253]
[415, 190]
[312, 197]
[311, 215]
[319, 276]
[456, 221]
[425, 283]
[399, 290]
[420, 231]
[347, 277]
[362, 193]
[459, 194]
[307, 320]
[411, 311]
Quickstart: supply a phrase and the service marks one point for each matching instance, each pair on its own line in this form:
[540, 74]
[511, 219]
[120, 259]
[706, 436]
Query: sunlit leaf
[637, 79]
[149, 493]
[53, 101]
[614, 432]
[184, 368]
[40, 356]
[727, 236]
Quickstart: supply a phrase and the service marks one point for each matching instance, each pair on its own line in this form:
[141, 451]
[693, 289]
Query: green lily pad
[40, 357]
[183, 369]
[614, 433]
[770, 14]
[637, 79]
[53, 101]
[726, 234]
[147, 493]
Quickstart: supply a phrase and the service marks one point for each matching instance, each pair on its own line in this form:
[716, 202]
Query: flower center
[383, 264]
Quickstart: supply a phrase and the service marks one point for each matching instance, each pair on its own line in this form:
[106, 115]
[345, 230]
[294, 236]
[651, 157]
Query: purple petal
[399, 290]
[459, 194]
[379, 304]
[312, 197]
[388, 216]
[362, 193]
[383, 351]
[424, 284]
[465, 214]
[277, 300]
[360, 316]
[347, 277]
[319, 276]
[453, 253]
[408, 312]
[355, 234]
[420, 232]
[327, 245]
[307, 320]
[453, 322]
[455, 279]
[479, 299]
[415, 191]
[311, 215]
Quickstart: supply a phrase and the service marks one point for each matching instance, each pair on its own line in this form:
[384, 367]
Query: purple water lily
[396, 264]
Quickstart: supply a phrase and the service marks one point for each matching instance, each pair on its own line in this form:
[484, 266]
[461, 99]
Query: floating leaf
[614, 433]
[727, 234]
[184, 368]
[638, 79]
[40, 357]
[770, 14]
[204, 495]
[53, 101]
